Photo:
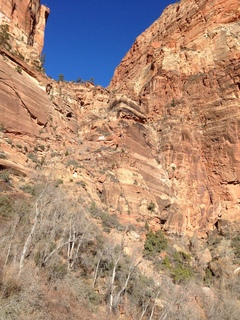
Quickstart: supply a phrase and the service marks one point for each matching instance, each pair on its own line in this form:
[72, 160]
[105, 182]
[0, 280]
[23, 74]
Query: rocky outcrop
[160, 145]
[190, 37]
[87, 172]
[31, 102]
[24, 103]
[183, 72]
[26, 20]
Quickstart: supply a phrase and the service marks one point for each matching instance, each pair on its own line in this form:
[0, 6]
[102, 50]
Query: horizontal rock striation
[24, 103]
[161, 144]
[183, 72]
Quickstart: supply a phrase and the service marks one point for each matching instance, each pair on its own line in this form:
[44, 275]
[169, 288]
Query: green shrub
[18, 54]
[181, 270]
[4, 175]
[208, 278]
[29, 189]
[79, 80]
[32, 157]
[58, 182]
[6, 207]
[94, 210]
[34, 190]
[2, 127]
[182, 273]
[151, 206]
[57, 271]
[5, 37]
[10, 288]
[42, 147]
[54, 154]
[235, 243]
[42, 161]
[38, 65]
[81, 183]
[154, 244]
[3, 155]
[109, 221]
[92, 296]
[18, 69]
[166, 263]
[38, 258]
[173, 103]
[214, 240]
[9, 141]
[181, 257]
[61, 78]
[72, 162]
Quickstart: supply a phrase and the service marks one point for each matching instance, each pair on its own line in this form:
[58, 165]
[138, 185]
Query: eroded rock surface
[183, 72]
[26, 20]
[24, 103]
[161, 143]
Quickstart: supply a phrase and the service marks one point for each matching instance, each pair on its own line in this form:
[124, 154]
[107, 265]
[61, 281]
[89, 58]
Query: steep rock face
[24, 103]
[160, 145]
[183, 73]
[30, 102]
[190, 37]
[26, 20]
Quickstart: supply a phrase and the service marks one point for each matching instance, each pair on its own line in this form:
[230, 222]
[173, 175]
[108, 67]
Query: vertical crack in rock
[34, 7]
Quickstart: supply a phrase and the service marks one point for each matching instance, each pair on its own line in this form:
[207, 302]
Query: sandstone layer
[161, 144]
[26, 20]
[183, 73]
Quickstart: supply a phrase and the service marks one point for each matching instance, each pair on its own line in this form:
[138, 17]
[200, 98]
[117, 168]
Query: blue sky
[88, 39]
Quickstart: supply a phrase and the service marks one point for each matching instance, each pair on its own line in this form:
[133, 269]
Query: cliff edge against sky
[114, 198]
[173, 104]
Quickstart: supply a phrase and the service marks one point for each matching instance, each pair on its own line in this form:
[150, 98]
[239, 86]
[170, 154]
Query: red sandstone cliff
[166, 130]
[26, 20]
[159, 149]
[183, 72]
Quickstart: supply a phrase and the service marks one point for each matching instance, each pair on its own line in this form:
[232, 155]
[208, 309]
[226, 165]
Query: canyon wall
[183, 72]
[26, 20]
[161, 144]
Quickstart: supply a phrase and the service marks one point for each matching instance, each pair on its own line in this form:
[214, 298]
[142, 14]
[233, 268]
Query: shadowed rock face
[161, 144]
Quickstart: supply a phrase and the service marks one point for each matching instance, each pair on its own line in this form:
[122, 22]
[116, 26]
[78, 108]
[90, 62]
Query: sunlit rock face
[26, 20]
[183, 72]
[161, 144]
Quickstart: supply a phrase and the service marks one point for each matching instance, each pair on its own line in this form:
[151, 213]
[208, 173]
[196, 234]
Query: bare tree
[122, 270]
[32, 231]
